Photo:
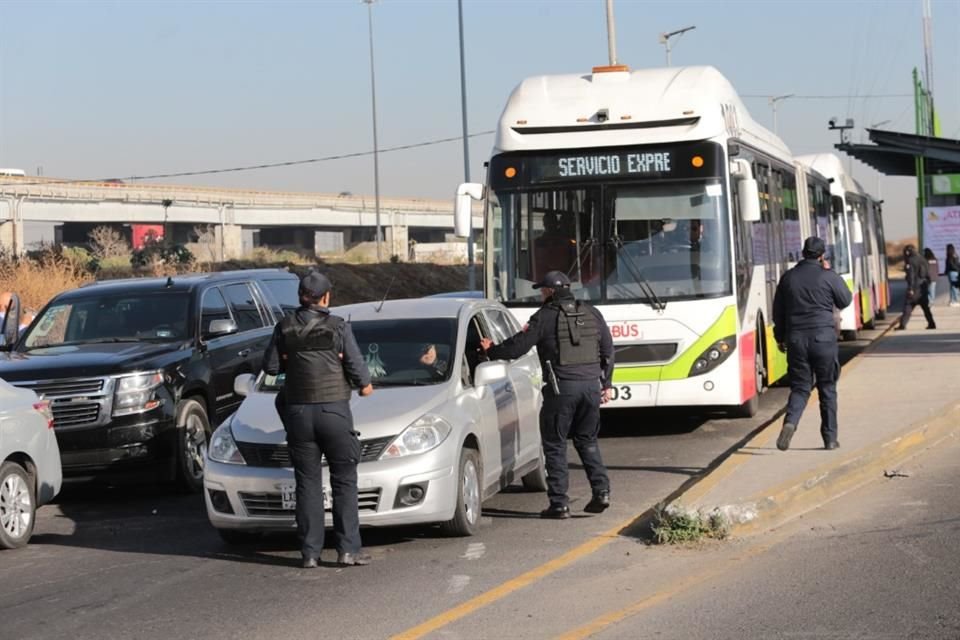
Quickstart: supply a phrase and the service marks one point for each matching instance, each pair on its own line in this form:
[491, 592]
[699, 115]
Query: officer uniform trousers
[813, 355]
[324, 429]
[574, 412]
[920, 298]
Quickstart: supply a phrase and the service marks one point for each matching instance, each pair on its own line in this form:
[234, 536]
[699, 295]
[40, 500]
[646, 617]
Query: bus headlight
[713, 356]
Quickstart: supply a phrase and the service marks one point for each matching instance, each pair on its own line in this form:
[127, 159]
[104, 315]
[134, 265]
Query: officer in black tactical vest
[576, 354]
[322, 362]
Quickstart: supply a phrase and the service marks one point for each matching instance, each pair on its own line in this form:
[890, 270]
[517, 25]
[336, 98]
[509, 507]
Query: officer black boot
[556, 512]
[599, 502]
[786, 435]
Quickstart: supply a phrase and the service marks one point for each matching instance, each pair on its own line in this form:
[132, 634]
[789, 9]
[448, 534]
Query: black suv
[138, 370]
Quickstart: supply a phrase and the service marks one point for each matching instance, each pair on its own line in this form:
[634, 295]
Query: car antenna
[169, 281]
[386, 293]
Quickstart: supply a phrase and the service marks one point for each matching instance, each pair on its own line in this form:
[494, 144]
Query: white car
[30, 473]
[437, 439]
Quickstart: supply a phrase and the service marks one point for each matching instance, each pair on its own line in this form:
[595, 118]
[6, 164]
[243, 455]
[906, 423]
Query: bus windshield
[637, 241]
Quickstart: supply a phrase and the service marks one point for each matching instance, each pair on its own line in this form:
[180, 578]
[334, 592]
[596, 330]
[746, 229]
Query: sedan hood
[386, 413]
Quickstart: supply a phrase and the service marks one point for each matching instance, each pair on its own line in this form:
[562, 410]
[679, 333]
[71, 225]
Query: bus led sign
[614, 164]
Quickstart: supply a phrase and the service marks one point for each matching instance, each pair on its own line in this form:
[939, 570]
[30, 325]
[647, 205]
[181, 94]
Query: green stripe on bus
[726, 325]
[866, 306]
[849, 282]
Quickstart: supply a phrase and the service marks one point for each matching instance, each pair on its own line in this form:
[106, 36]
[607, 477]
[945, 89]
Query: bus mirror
[857, 232]
[463, 208]
[749, 198]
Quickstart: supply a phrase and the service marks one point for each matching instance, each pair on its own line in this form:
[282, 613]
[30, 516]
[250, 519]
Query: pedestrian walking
[322, 363]
[933, 271]
[953, 275]
[576, 353]
[804, 328]
[918, 283]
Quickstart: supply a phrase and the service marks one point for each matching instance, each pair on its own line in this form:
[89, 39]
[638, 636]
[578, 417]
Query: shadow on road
[151, 520]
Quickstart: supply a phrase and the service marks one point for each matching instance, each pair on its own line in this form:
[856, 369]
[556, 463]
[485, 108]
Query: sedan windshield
[160, 317]
[400, 353]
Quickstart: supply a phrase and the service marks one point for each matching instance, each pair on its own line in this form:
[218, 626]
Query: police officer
[918, 279]
[322, 362]
[804, 328]
[576, 354]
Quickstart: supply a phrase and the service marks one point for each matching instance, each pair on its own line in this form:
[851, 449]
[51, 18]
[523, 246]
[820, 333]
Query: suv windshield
[120, 318]
[399, 353]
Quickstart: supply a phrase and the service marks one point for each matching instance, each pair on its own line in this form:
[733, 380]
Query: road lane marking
[733, 460]
[514, 584]
[672, 589]
[457, 583]
[475, 551]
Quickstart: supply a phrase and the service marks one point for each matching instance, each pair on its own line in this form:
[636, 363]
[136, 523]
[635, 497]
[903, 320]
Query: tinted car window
[283, 295]
[134, 317]
[213, 307]
[245, 310]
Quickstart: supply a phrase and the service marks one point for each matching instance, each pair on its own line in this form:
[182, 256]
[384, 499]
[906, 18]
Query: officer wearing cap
[804, 328]
[322, 362]
[576, 354]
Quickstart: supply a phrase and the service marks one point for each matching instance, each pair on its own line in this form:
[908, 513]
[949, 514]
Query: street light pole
[376, 149]
[773, 105]
[665, 39]
[471, 272]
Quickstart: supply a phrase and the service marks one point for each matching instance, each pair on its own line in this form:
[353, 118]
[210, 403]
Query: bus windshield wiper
[637, 274]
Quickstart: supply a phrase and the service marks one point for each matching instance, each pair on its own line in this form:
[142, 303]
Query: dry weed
[37, 281]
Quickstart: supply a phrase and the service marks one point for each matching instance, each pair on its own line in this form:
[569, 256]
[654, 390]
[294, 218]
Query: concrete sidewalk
[898, 397]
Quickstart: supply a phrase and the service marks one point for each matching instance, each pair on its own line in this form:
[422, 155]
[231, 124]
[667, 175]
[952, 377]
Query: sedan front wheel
[466, 516]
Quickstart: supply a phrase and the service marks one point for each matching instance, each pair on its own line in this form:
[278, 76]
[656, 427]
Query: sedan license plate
[288, 497]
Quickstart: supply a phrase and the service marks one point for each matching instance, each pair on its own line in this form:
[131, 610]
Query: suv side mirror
[243, 384]
[221, 328]
[10, 329]
[463, 208]
[490, 373]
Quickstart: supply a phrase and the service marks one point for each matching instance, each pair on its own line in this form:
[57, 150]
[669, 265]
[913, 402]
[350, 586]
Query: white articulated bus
[855, 243]
[671, 210]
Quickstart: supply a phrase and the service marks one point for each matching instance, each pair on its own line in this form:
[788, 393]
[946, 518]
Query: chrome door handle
[244, 353]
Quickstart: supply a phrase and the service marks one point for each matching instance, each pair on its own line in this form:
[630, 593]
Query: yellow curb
[815, 488]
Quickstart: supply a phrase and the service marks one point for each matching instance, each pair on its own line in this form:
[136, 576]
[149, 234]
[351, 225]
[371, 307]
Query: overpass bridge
[241, 219]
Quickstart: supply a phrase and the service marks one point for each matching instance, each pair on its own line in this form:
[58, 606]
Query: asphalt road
[140, 563]
[879, 563]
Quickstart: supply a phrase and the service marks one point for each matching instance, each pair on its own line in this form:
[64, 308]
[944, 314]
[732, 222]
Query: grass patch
[676, 525]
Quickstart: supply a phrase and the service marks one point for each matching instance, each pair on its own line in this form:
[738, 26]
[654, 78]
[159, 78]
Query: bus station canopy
[893, 153]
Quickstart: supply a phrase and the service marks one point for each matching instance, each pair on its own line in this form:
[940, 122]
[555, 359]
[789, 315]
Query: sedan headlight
[137, 393]
[223, 448]
[423, 435]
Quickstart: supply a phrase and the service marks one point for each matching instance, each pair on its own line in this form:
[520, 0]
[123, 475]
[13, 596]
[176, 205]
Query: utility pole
[665, 39]
[376, 149]
[471, 270]
[773, 105]
[611, 34]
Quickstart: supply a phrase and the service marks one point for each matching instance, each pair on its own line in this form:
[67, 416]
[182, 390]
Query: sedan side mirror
[243, 384]
[221, 328]
[490, 373]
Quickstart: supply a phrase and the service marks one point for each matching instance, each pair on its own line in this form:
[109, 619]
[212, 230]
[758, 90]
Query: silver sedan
[30, 473]
[443, 431]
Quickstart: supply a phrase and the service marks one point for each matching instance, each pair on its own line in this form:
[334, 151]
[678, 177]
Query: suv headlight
[223, 448]
[136, 393]
[426, 433]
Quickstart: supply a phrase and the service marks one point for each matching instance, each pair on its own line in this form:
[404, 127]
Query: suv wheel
[193, 434]
[18, 506]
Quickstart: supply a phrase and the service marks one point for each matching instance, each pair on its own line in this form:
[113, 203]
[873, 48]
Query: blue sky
[96, 89]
